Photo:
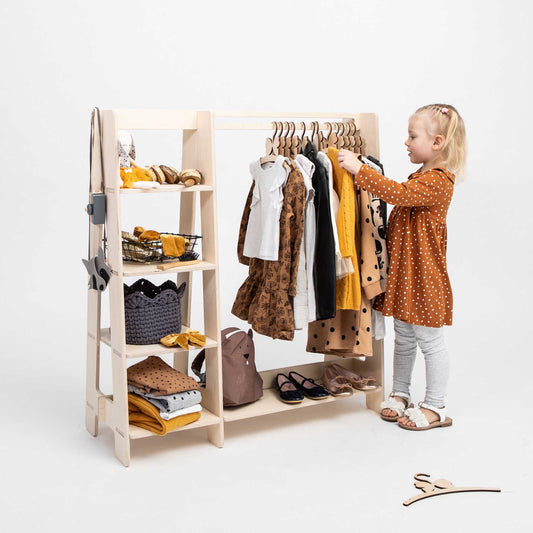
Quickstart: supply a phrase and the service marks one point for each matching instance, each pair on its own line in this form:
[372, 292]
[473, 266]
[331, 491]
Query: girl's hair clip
[444, 110]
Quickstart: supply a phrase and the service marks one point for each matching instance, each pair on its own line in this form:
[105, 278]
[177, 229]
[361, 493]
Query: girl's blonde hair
[447, 121]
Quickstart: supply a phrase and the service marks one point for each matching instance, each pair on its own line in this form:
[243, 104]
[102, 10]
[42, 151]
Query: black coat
[324, 277]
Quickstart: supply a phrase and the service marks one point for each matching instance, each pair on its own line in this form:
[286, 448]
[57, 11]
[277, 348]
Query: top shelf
[168, 188]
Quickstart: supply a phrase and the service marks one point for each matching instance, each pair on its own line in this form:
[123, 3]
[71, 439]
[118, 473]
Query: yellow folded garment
[193, 337]
[130, 175]
[179, 339]
[146, 415]
[196, 338]
[173, 245]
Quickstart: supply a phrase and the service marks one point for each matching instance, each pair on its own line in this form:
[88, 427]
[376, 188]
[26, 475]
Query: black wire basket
[152, 251]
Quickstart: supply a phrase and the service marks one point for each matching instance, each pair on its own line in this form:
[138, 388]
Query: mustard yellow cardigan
[349, 287]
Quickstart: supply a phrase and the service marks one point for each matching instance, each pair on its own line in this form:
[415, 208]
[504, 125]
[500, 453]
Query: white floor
[331, 467]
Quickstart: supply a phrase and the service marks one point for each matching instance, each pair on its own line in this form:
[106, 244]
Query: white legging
[431, 342]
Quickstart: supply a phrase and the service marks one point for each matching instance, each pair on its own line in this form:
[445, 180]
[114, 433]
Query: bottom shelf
[207, 418]
[270, 404]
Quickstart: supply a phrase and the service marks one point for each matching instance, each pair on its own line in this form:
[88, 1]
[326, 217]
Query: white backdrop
[61, 58]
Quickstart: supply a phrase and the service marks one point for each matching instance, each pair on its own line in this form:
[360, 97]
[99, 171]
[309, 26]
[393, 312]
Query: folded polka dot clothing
[153, 375]
[418, 288]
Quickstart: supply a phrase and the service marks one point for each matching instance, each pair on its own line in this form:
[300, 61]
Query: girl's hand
[348, 160]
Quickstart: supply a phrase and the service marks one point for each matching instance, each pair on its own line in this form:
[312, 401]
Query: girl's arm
[426, 190]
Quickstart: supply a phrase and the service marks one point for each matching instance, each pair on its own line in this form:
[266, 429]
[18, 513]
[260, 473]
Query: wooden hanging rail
[282, 115]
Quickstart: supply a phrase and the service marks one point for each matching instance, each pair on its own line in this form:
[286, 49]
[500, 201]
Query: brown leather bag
[241, 383]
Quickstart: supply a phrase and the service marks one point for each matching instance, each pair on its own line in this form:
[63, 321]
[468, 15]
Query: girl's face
[421, 146]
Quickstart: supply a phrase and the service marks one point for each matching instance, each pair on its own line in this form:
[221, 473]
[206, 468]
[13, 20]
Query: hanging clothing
[418, 288]
[324, 278]
[370, 274]
[350, 332]
[343, 265]
[348, 293]
[264, 299]
[304, 302]
[378, 208]
[262, 232]
[378, 325]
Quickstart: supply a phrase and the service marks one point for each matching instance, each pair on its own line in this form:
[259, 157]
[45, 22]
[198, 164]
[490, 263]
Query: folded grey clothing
[170, 402]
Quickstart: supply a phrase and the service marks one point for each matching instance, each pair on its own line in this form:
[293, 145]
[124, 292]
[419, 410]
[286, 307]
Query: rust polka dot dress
[418, 289]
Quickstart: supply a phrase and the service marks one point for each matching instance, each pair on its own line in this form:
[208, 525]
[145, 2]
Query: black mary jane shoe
[308, 386]
[287, 392]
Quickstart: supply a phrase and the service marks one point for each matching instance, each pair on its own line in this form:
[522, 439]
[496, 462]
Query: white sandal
[395, 405]
[421, 422]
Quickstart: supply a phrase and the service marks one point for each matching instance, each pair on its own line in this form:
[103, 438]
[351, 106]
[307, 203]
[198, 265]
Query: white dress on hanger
[262, 233]
[304, 302]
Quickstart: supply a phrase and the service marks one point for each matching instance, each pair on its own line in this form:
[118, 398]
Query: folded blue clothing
[170, 402]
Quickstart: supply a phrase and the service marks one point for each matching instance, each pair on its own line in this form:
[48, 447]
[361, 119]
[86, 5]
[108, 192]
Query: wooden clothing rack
[198, 151]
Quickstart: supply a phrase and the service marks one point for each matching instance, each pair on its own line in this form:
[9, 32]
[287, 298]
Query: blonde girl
[418, 295]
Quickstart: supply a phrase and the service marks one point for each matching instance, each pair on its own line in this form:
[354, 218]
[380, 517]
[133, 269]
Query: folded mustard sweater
[145, 415]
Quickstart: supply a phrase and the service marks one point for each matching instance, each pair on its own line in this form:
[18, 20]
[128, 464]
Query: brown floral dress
[264, 300]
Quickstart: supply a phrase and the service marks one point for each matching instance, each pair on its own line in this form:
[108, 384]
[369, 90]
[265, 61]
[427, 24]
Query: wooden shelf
[168, 188]
[270, 404]
[142, 269]
[144, 350]
[207, 418]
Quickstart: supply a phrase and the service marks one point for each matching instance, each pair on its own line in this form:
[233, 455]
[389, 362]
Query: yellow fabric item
[180, 339]
[192, 337]
[173, 245]
[348, 288]
[130, 175]
[146, 415]
[149, 235]
[196, 338]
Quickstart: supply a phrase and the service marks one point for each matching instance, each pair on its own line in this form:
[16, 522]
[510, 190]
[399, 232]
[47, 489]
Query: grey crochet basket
[151, 311]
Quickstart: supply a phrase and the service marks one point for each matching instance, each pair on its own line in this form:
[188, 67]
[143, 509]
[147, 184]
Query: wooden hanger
[270, 156]
[322, 145]
[351, 136]
[283, 138]
[269, 143]
[340, 138]
[314, 132]
[275, 148]
[293, 141]
[304, 139]
[332, 136]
